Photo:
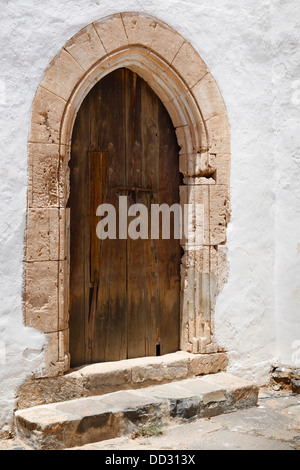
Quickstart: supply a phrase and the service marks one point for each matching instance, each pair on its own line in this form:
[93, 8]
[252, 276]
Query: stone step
[107, 377]
[92, 419]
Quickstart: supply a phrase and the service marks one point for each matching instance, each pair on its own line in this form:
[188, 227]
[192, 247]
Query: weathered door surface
[124, 293]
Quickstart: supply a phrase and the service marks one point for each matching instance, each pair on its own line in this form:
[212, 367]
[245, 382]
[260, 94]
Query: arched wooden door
[124, 293]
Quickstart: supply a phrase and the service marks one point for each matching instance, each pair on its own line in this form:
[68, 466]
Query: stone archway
[180, 78]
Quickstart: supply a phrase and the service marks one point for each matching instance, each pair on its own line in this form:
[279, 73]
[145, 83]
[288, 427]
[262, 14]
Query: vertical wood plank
[169, 250]
[150, 107]
[78, 234]
[136, 288]
[96, 190]
[98, 167]
[108, 134]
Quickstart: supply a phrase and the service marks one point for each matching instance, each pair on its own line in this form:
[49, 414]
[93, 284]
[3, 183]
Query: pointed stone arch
[181, 79]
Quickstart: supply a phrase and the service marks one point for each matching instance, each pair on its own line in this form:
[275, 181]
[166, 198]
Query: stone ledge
[106, 377]
[86, 420]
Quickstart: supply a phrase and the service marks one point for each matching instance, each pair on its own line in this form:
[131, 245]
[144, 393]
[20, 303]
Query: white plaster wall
[236, 40]
[286, 112]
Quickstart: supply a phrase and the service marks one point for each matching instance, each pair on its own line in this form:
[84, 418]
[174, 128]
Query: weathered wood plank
[150, 107]
[169, 250]
[136, 288]
[108, 134]
[78, 235]
[96, 190]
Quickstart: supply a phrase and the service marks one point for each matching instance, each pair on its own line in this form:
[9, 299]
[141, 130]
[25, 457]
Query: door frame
[180, 78]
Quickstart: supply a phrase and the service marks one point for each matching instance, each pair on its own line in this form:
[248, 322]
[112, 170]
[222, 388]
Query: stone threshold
[97, 418]
[107, 377]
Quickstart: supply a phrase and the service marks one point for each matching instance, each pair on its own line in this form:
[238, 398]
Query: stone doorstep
[107, 377]
[93, 419]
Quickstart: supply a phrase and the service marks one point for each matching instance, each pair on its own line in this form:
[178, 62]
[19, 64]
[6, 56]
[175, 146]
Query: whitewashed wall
[286, 113]
[252, 49]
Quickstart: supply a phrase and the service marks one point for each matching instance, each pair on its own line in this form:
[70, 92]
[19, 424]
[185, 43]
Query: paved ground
[273, 425]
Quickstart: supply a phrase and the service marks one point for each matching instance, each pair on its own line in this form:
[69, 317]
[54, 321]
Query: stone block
[209, 98]
[112, 33]
[209, 392]
[160, 371]
[221, 164]
[47, 113]
[62, 75]
[139, 29]
[219, 213]
[194, 201]
[202, 364]
[199, 292]
[197, 305]
[105, 377]
[48, 428]
[39, 391]
[133, 405]
[68, 424]
[43, 161]
[241, 390]
[83, 408]
[166, 42]
[41, 295]
[203, 301]
[189, 64]
[44, 234]
[218, 132]
[86, 47]
[173, 391]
